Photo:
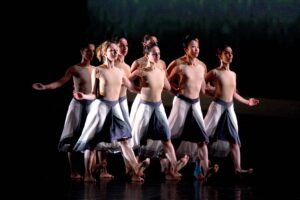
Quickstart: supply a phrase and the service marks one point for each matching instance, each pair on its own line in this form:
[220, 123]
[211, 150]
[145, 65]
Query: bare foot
[136, 178]
[172, 177]
[89, 179]
[76, 175]
[142, 166]
[105, 175]
[244, 171]
[164, 164]
[201, 178]
[127, 170]
[182, 162]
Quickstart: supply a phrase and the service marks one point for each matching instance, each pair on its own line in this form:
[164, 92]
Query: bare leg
[164, 164]
[203, 155]
[74, 173]
[89, 159]
[127, 166]
[171, 156]
[103, 165]
[236, 156]
[128, 154]
[182, 162]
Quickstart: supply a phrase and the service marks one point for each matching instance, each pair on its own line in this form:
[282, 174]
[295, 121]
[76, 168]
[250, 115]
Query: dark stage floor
[222, 187]
[53, 182]
[269, 145]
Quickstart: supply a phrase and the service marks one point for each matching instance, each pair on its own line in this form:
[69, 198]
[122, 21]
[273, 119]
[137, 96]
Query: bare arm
[163, 65]
[203, 87]
[167, 84]
[135, 65]
[67, 76]
[250, 101]
[210, 76]
[170, 67]
[127, 83]
[209, 88]
[134, 78]
[173, 79]
[81, 96]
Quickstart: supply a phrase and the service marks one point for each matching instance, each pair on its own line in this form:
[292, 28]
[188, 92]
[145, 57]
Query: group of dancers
[98, 119]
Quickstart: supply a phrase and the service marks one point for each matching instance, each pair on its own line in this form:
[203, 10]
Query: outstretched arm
[250, 101]
[67, 76]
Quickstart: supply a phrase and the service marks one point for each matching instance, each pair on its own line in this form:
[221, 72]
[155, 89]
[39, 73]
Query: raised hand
[39, 86]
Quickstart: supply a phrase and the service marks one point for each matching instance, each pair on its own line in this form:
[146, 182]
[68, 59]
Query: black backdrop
[265, 40]
[265, 36]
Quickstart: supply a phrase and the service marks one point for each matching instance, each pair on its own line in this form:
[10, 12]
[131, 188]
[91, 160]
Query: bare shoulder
[136, 63]
[127, 69]
[140, 60]
[136, 72]
[163, 64]
[101, 68]
[124, 67]
[213, 72]
[177, 61]
[233, 72]
[73, 69]
[199, 62]
[181, 60]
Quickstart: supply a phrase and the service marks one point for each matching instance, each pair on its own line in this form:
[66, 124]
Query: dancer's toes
[142, 166]
[106, 175]
[243, 171]
[137, 179]
[170, 177]
[164, 163]
[182, 162]
[76, 176]
[89, 179]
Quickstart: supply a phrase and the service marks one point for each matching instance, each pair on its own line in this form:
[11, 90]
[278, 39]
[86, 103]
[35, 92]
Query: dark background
[264, 35]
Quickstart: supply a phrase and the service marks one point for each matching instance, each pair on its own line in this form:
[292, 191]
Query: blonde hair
[101, 50]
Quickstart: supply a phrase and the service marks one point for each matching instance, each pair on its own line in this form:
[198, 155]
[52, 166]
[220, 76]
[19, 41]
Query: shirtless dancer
[83, 75]
[147, 40]
[186, 119]
[119, 63]
[224, 138]
[105, 122]
[150, 127]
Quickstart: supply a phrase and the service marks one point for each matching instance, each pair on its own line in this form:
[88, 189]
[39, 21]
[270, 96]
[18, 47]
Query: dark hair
[117, 39]
[221, 48]
[84, 44]
[187, 39]
[148, 47]
[147, 37]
